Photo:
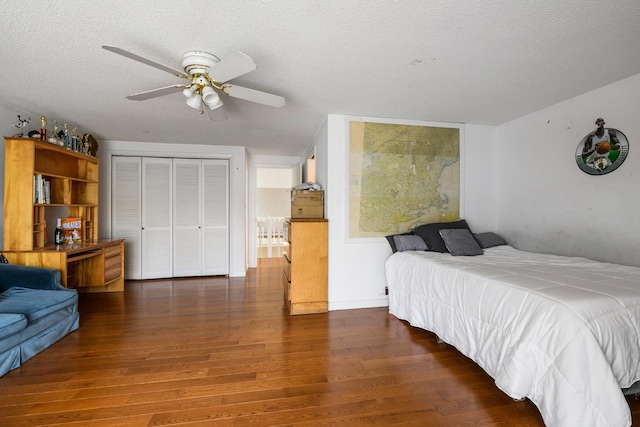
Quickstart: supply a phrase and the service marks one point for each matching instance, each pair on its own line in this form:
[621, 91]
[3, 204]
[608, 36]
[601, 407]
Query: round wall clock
[602, 151]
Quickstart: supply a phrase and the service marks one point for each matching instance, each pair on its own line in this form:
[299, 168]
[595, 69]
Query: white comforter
[562, 331]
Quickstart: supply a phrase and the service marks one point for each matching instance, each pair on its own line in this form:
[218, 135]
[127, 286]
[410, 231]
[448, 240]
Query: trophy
[55, 138]
[43, 128]
[74, 140]
[65, 136]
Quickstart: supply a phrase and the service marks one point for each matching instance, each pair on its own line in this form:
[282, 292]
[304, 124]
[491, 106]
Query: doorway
[273, 205]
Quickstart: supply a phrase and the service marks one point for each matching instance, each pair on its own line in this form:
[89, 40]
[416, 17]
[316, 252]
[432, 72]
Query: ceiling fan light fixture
[209, 96]
[216, 105]
[188, 92]
[198, 62]
[195, 101]
[201, 92]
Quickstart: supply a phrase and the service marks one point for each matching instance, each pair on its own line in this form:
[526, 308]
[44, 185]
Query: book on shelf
[46, 191]
[72, 228]
[41, 189]
[37, 185]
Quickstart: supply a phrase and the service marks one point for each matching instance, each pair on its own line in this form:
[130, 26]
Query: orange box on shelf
[72, 228]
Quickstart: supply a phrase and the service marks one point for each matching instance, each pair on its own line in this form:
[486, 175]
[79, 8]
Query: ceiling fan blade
[145, 61]
[231, 67]
[153, 93]
[254, 95]
[217, 114]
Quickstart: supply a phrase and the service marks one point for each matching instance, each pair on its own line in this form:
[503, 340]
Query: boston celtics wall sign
[602, 151]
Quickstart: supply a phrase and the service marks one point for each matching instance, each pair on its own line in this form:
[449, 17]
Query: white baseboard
[350, 305]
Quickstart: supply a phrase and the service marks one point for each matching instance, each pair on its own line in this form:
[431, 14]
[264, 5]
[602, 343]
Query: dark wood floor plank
[221, 351]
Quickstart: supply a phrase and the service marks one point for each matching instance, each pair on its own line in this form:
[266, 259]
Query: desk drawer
[112, 268]
[112, 251]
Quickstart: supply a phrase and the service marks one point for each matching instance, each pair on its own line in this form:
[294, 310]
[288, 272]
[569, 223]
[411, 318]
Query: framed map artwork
[401, 175]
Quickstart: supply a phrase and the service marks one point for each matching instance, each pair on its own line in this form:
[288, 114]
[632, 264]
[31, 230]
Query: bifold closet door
[157, 199]
[201, 219]
[187, 209]
[215, 217]
[126, 211]
[174, 215]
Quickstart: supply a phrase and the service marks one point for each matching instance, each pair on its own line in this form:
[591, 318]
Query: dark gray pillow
[392, 242]
[430, 233]
[489, 240]
[409, 242]
[460, 242]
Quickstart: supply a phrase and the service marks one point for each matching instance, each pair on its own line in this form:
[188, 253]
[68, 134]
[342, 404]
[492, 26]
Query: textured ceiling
[466, 61]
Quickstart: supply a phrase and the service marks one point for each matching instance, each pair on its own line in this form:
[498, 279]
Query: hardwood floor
[223, 352]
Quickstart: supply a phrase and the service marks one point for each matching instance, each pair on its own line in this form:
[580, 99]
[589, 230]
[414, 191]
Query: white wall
[237, 181]
[547, 204]
[273, 202]
[480, 171]
[320, 146]
[273, 194]
[274, 178]
[356, 266]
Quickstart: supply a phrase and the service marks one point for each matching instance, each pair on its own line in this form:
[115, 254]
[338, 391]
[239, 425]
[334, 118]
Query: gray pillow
[460, 241]
[392, 241]
[489, 240]
[429, 233]
[409, 242]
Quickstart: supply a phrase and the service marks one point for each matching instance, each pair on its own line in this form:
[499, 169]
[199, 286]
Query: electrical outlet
[386, 290]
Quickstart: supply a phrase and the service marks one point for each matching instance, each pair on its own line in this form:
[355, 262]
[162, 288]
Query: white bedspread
[562, 331]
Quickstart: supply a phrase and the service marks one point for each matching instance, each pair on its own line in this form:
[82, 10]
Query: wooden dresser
[305, 271]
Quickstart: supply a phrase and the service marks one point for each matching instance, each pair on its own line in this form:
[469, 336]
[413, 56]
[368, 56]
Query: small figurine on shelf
[43, 128]
[20, 124]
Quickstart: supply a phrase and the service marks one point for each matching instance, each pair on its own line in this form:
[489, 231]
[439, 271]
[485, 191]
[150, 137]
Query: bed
[563, 332]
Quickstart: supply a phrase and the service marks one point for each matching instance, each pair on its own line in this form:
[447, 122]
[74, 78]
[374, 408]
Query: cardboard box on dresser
[307, 203]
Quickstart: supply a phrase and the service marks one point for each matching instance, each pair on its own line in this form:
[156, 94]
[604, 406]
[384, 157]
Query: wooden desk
[93, 266]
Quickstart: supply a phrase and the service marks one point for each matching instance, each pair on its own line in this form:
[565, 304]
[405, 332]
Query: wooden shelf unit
[305, 265]
[74, 191]
[74, 185]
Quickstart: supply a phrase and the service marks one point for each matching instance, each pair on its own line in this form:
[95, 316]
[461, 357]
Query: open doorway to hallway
[273, 205]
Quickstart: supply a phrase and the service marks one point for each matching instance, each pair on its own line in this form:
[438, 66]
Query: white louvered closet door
[215, 217]
[126, 218]
[187, 214]
[156, 218]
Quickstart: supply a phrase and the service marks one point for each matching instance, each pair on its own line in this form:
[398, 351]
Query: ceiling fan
[208, 76]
